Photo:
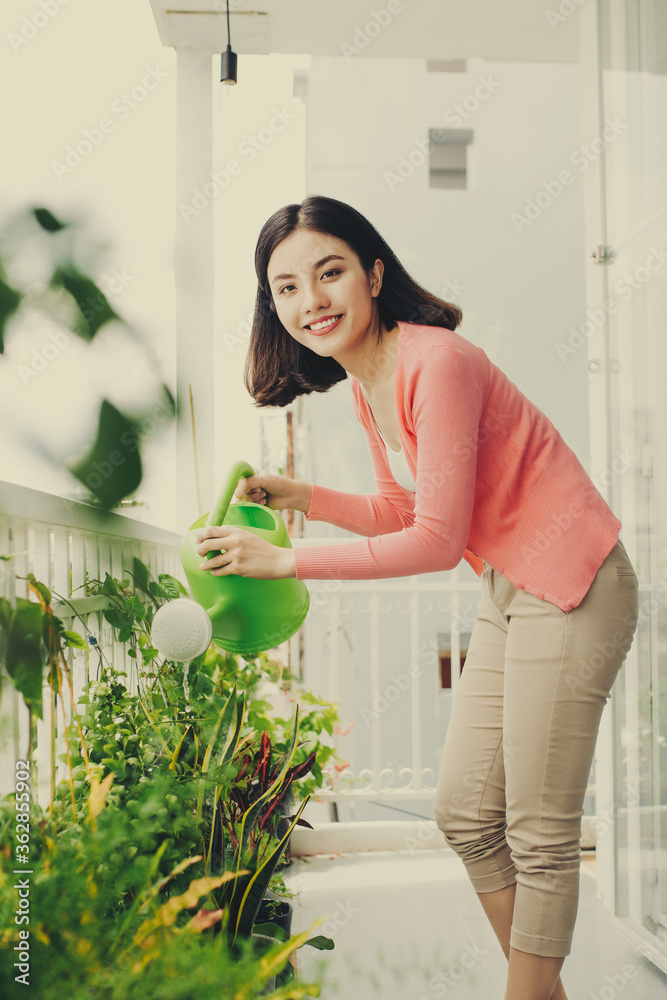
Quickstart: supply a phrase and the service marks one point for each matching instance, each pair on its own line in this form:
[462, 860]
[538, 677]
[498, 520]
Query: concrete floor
[408, 926]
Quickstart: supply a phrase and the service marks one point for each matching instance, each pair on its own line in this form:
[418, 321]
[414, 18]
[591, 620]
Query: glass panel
[633, 38]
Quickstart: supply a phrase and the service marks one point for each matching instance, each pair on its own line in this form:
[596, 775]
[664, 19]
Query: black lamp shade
[228, 63]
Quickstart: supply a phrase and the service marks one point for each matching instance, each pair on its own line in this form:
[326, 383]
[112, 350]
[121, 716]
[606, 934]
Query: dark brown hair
[278, 368]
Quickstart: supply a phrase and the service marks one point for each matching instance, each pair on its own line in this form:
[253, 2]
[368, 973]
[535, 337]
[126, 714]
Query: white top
[400, 469]
[398, 463]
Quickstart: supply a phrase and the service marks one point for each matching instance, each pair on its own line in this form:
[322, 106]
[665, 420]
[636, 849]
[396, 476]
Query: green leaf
[125, 631]
[41, 588]
[112, 468]
[5, 612]
[48, 221]
[10, 300]
[271, 930]
[140, 573]
[116, 617]
[75, 640]
[93, 305]
[134, 607]
[171, 586]
[109, 586]
[249, 890]
[321, 942]
[25, 660]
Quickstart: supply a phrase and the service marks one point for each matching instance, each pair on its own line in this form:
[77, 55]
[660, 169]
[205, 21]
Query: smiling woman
[302, 242]
[492, 482]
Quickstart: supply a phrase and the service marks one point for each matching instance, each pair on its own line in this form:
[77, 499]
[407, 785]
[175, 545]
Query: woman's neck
[375, 364]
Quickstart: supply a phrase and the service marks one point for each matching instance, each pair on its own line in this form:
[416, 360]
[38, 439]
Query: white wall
[520, 291]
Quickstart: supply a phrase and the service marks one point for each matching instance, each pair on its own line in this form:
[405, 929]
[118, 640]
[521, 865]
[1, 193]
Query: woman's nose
[314, 297]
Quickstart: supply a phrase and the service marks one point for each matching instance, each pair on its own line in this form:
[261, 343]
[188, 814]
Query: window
[445, 657]
[448, 166]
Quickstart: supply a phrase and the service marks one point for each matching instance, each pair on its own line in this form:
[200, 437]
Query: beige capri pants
[521, 739]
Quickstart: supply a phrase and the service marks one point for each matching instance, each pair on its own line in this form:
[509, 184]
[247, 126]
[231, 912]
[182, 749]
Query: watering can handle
[217, 515]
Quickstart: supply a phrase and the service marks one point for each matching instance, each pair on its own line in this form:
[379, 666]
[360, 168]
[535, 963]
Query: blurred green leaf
[25, 660]
[112, 468]
[171, 586]
[10, 300]
[48, 221]
[321, 942]
[41, 588]
[92, 302]
[140, 574]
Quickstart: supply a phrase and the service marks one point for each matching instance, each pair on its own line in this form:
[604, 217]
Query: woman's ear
[375, 275]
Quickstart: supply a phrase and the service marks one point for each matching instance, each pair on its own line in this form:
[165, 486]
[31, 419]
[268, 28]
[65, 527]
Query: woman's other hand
[276, 492]
[243, 553]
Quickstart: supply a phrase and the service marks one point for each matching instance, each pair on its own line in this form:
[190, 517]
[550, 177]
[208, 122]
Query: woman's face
[323, 296]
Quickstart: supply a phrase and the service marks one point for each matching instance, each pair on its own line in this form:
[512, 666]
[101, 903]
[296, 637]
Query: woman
[466, 466]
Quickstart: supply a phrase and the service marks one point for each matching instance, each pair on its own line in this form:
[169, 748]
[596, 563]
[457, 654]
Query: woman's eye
[332, 270]
[285, 287]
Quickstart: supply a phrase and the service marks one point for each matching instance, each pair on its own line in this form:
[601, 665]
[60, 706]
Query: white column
[194, 282]
[595, 232]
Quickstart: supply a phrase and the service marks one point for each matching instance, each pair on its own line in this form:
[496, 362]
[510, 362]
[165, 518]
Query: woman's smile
[324, 325]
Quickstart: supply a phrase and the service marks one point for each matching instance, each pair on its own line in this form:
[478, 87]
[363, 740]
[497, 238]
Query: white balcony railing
[65, 543]
[370, 646]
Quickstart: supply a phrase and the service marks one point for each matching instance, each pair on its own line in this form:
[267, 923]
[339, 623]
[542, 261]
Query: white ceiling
[510, 30]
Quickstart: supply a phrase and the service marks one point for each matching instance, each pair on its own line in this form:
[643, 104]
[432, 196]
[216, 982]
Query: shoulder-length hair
[278, 368]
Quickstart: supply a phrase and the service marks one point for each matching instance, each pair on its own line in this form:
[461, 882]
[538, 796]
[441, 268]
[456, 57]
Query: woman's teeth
[324, 324]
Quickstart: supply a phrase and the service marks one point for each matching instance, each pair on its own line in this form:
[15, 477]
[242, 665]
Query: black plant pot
[262, 943]
[277, 912]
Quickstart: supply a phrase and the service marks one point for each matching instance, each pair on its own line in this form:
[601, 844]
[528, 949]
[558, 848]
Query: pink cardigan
[495, 482]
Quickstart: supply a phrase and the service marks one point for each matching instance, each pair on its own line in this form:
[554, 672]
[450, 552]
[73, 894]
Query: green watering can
[247, 616]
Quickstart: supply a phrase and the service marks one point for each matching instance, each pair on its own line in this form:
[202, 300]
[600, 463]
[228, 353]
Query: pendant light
[228, 59]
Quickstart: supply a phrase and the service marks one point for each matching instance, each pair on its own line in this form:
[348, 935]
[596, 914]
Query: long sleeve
[443, 404]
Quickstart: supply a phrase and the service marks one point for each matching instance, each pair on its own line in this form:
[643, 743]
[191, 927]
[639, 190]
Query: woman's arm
[446, 402]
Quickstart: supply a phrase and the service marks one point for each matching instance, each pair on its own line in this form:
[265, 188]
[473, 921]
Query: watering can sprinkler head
[181, 630]
[239, 614]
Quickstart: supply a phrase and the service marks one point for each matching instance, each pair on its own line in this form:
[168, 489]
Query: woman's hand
[276, 492]
[243, 553]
